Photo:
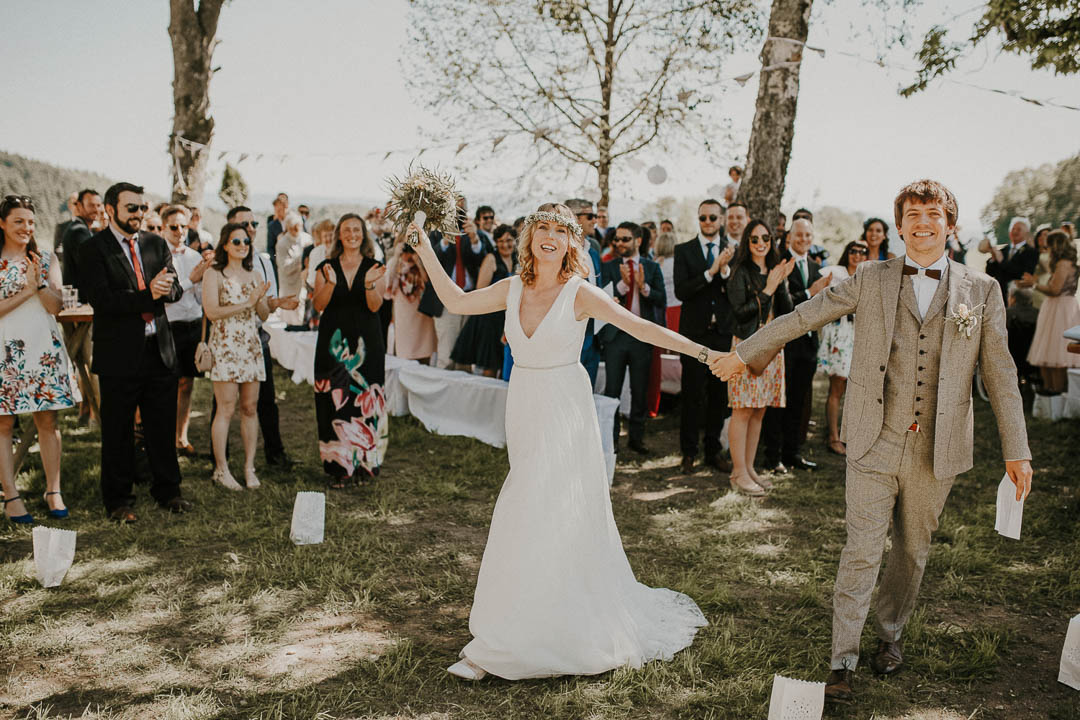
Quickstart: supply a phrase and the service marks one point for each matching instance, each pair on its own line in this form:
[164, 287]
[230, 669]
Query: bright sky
[90, 87]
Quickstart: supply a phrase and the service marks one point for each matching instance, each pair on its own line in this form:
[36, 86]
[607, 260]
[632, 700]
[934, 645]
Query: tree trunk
[774, 116]
[193, 40]
[603, 167]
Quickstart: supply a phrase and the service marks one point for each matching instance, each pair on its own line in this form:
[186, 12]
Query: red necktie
[139, 281]
[629, 299]
[459, 266]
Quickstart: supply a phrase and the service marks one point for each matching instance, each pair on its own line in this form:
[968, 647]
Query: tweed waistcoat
[911, 384]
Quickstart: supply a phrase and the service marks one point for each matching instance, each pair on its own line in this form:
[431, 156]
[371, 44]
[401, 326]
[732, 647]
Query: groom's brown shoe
[840, 686]
[888, 658]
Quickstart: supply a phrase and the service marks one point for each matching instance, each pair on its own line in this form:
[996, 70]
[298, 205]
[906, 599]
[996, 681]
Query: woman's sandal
[25, 519]
[58, 514]
[748, 487]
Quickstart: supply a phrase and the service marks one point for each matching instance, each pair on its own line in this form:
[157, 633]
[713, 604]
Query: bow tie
[932, 274]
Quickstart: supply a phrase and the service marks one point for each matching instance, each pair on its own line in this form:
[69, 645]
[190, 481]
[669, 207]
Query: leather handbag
[204, 356]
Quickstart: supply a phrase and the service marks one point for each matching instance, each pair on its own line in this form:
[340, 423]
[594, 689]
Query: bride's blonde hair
[573, 262]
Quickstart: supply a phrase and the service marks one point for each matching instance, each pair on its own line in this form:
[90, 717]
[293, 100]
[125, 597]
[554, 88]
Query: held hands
[161, 284]
[722, 260]
[726, 365]
[1020, 473]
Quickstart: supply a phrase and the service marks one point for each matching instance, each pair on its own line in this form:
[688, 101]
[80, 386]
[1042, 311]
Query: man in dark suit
[128, 277]
[583, 211]
[275, 225]
[590, 346]
[639, 287]
[1012, 261]
[700, 269]
[460, 257]
[781, 430]
[86, 208]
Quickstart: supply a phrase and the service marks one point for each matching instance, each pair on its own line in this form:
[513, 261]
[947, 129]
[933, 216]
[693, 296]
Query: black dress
[350, 360]
[480, 341]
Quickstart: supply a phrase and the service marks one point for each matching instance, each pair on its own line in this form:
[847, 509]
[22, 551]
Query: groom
[907, 414]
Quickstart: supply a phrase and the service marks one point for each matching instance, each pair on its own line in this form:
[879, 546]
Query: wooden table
[77, 321]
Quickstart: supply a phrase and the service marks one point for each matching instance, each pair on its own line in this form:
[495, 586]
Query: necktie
[710, 258]
[802, 270]
[459, 265]
[139, 281]
[934, 274]
[628, 300]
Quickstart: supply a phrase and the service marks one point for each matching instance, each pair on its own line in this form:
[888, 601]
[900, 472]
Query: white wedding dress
[556, 595]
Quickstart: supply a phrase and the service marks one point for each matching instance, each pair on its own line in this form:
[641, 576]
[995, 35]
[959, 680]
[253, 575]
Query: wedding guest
[233, 293]
[62, 227]
[1049, 350]
[735, 221]
[289, 262]
[601, 223]
[590, 347]
[1042, 269]
[783, 430]
[648, 233]
[663, 255]
[699, 270]
[185, 316]
[666, 226]
[314, 254]
[639, 287]
[586, 217]
[1021, 320]
[485, 222]
[1069, 229]
[414, 332]
[1014, 260]
[275, 225]
[128, 276]
[758, 293]
[197, 236]
[305, 214]
[731, 190]
[460, 256]
[480, 343]
[35, 368]
[152, 223]
[875, 236]
[838, 343]
[350, 357]
[78, 337]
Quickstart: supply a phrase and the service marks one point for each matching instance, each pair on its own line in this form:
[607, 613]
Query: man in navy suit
[1011, 262]
[590, 349]
[639, 287]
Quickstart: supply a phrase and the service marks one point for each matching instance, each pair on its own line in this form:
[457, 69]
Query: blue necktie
[711, 257]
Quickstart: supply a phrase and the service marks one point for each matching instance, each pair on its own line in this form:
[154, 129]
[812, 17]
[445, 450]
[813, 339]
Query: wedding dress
[555, 594]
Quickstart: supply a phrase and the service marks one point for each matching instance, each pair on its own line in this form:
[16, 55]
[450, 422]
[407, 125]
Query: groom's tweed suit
[904, 370]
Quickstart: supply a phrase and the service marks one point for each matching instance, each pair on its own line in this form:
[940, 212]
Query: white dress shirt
[189, 306]
[151, 327]
[925, 286]
[635, 301]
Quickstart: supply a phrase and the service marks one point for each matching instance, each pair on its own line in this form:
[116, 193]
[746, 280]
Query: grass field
[217, 615]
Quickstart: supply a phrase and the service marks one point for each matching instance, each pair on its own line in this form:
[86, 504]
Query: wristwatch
[703, 355]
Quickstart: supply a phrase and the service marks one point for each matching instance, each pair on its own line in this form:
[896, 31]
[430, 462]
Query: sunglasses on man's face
[153, 228]
[133, 208]
[240, 241]
[250, 224]
[709, 218]
[487, 217]
[624, 239]
[589, 216]
[177, 228]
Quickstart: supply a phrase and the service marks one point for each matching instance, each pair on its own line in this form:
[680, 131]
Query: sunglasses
[589, 216]
[760, 240]
[133, 208]
[487, 217]
[859, 251]
[710, 218]
[177, 228]
[240, 241]
[153, 228]
[624, 239]
[249, 224]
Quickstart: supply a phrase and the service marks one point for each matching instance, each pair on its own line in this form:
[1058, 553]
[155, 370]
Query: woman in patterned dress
[232, 294]
[758, 292]
[35, 372]
[414, 332]
[350, 356]
[838, 342]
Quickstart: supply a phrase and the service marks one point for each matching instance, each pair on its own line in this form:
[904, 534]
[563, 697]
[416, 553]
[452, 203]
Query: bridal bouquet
[427, 196]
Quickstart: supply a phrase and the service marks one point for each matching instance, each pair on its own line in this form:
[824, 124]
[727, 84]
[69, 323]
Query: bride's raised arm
[595, 303]
[478, 302]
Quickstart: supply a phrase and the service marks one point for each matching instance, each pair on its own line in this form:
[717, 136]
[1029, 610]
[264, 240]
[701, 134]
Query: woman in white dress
[555, 594]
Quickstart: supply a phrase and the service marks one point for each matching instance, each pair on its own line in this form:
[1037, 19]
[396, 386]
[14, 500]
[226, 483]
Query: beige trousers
[893, 481]
[447, 328]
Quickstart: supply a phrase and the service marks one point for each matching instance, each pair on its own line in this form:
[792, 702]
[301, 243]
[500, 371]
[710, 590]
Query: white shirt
[667, 268]
[189, 306]
[801, 266]
[469, 284]
[724, 271]
[925, 286]
[260, 262]
[317, 255]
[151, 327]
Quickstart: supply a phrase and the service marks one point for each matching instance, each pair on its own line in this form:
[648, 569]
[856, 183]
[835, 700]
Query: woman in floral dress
[350, 356]
[414, 332]
[232, 295]
[35, 372]
[838, 342]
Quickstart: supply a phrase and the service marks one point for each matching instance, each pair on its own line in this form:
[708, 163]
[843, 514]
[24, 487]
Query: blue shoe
[57, 514]
[26, 519]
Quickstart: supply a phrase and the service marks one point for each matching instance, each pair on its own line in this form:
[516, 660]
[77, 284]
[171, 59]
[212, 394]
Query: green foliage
[1046, 194]
[234, 189]
[1045, 31]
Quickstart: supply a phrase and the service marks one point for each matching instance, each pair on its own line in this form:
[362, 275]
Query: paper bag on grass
[796, 699]
[54, 551]
[1069, 673]
[1010, 511]
[308, 518]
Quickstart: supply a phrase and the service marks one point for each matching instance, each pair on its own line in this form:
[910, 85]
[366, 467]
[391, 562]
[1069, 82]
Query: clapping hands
[722, 259]
[372, 276]
[33, 271]
[161, 284]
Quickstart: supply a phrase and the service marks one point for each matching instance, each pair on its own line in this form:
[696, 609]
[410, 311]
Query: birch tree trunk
[774, 116]
[192, 32]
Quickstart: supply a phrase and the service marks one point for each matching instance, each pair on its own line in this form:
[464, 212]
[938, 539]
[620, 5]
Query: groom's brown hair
[926, 191]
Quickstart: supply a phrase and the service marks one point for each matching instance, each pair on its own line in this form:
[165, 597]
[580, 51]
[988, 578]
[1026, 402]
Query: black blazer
[804, 347]
[652, 307]
[750, 304]
[108, 280]
[1013, 265]
[76, 235]
[430, 304]
[701, 301]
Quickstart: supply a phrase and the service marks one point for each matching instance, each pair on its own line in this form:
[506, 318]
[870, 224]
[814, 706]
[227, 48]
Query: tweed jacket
[872, 295]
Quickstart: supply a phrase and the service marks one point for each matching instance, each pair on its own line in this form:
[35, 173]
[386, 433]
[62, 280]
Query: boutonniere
[965, 318]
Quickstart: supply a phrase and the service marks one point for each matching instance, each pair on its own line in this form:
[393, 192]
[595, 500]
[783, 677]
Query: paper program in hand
[1010, 511]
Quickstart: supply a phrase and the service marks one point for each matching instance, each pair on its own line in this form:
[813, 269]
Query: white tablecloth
[447, 402]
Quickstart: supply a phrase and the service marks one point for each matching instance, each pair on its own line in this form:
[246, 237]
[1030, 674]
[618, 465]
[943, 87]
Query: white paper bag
[796, 699]
[1070, 656]
[54, 551]
[1010, 511]
[308, 518]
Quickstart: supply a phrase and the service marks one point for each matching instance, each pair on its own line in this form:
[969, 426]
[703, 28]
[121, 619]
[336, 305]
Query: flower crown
[548, 216]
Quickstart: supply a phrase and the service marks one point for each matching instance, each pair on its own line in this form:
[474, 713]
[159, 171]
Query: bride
[555, 593]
